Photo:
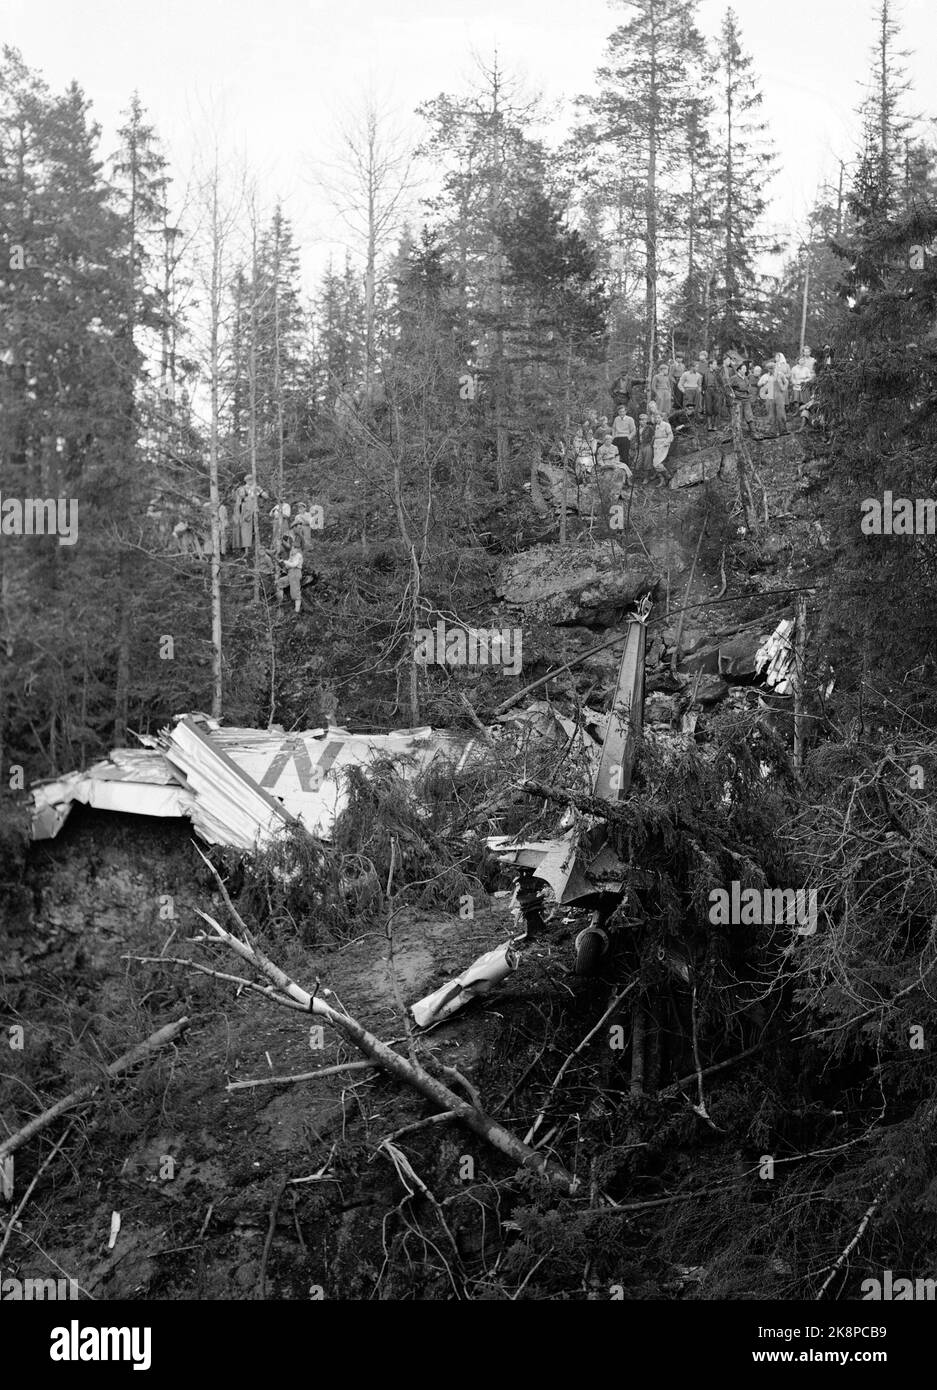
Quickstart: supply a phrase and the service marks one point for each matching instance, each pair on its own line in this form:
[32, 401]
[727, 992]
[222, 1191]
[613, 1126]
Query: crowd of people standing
[283, 555]
[693, 393]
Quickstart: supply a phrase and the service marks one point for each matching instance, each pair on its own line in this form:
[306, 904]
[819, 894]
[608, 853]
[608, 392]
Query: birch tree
[220, 208]
[370, 182]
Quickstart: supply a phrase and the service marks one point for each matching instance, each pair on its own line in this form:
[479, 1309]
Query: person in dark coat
[743, 389]
[708, 396]
[677, 368]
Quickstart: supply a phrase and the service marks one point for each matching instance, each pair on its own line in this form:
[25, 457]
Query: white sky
[277, 71]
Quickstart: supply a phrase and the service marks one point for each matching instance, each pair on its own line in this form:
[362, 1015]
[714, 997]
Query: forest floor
[201, 1232]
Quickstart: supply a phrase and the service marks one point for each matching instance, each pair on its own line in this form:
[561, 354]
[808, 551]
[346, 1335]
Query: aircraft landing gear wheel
[591, 945]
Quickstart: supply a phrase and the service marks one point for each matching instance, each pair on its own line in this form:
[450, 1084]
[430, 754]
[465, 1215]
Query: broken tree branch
[299, 1076]
[867, 1217]
[84, 1093]
[575, 1053]
[28, 1193]
[238, 980]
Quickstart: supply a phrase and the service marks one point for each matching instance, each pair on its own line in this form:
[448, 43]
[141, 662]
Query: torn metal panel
[486, 971]
[577, 865]
[624, 725]
[551, 860]
[239, 787]
[132, 780]
[228, 806]
[775, 657]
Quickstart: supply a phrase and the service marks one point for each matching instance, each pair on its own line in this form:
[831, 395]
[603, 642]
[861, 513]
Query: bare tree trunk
[651, 272]
[415, 577]
[800, 643]
[125, 566]
[743, 458]
[638, 1035]
[252, 408]
[539, 503]
[122, 674]
[214, 352]
[277, 383]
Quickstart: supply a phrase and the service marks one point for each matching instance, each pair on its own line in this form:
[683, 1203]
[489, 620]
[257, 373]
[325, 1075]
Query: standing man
[645, 445]
[677, 368]
[280, 514]
[293, 576]
[708, 399]
[245, 510]
[690, 382]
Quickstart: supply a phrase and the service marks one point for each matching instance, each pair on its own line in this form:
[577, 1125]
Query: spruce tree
[482, 143]
[880, 179]
[141, 183]
[653, 71]
[744, 165]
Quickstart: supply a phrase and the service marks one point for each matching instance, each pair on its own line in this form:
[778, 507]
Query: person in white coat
[663, 439]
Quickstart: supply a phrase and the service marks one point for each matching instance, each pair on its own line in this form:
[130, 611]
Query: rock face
[709, 690]
[582, 499]
[552, 481]
[695, 468]
[737, 657]
[706, 660]
[571, 584]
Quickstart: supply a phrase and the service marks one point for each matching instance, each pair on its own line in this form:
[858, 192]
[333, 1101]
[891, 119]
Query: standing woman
[662, 440]
[623, 432]
[782, 384]
[645, 462]
[661, 390]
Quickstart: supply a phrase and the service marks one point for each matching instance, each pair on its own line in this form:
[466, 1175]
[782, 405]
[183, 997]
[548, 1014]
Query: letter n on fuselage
[310, 777]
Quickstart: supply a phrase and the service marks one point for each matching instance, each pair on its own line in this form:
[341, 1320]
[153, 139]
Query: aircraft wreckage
[242, 788]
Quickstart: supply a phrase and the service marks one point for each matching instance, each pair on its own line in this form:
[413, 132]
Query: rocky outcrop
[693, 468]
[572, 584]
[737, 656]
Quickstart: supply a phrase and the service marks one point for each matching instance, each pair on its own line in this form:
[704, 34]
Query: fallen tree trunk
[136, 1054]
[567, 666]
[591, 805]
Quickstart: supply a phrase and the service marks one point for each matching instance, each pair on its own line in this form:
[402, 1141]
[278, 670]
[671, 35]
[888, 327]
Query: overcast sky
[277, 71]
